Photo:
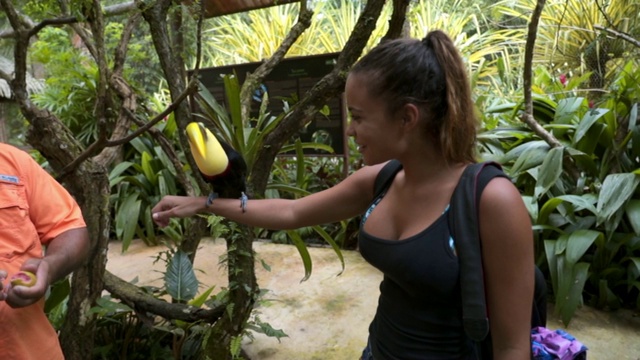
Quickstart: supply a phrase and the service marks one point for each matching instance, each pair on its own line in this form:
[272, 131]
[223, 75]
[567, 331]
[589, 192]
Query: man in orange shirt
[41, 231]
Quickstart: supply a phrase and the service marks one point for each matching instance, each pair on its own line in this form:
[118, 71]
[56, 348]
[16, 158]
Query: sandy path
[327, 316]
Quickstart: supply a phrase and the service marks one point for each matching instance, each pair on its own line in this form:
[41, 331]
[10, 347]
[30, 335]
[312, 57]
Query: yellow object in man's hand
[23, 278]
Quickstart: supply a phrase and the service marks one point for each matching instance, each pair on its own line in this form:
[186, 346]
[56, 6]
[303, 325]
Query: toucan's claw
[243, 202]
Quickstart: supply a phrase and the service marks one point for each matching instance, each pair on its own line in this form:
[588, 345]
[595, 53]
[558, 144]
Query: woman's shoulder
[501, 201]
[500, 189]
[364, 179]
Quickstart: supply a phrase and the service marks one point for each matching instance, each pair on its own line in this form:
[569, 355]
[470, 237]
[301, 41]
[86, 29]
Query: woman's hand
[177, 206]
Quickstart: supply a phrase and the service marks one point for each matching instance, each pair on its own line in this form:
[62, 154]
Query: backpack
[463, 210]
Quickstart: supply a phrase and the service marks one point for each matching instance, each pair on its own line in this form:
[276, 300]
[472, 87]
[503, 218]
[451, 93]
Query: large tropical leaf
[304, 253]
[579, 202]
[550, 171]
[326, 237]
[578, 243]
[616, 190]
[587, 121]
[180, 279]
[633, 214]
[127, 219]
[567, 38]
[571, 287]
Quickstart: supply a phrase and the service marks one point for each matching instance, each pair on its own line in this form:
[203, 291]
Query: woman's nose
[350, 130]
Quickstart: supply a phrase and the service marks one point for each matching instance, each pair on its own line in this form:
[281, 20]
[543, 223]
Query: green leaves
[180, 280]
[616, 191]
[549, 172]
[568, 275]
[304, 253]
[267, 329]
[127, 219]
[137, 185]
[579, 202]
[587, 122]
[633, 214]
[578, 243]
[583, 196]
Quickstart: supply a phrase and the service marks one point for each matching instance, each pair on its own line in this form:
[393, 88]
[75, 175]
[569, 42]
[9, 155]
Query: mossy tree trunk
[89, 184]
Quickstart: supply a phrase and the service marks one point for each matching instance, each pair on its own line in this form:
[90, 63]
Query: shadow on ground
[327, 316]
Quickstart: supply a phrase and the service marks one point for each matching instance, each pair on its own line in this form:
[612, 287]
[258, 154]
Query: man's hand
[3, 294]
[21, 296]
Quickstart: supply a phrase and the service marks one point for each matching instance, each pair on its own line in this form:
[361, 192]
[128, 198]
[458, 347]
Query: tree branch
[398, 20]
[253, 80]
[528, 73]
[99, 145]
[124, 92]
[173, 68]
[143, 303]
[112, 10]
[527, 116]
[619, 34]
[329, 86]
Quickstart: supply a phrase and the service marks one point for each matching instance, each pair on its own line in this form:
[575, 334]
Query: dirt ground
[327, 316]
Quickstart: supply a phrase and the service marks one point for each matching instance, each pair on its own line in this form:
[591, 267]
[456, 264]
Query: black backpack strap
[463, 224]
[385, 177]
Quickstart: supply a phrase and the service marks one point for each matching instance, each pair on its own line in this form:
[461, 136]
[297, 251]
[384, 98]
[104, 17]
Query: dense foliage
[582, 197]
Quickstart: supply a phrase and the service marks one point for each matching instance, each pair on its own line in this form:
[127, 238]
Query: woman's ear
[410, 115]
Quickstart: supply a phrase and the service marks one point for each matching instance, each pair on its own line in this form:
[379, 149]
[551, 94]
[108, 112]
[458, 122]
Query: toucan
[219, 164]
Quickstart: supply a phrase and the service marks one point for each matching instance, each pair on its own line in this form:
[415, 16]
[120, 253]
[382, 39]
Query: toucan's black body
[231, 183]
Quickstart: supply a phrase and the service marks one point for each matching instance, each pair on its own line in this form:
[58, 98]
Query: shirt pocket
[17, 232]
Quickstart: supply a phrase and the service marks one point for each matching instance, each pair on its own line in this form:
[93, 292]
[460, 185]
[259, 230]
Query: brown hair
[430, 74]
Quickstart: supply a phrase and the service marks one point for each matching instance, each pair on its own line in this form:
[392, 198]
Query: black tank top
[419, 312]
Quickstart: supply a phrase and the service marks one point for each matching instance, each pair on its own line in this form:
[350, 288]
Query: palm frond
[33, 85]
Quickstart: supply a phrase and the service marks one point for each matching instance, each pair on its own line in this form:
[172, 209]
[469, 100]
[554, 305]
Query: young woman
[410, 100]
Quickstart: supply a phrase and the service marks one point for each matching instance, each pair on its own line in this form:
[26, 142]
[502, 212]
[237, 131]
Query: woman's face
[372, 128]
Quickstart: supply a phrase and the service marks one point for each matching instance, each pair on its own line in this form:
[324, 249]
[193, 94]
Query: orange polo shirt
[34, 209]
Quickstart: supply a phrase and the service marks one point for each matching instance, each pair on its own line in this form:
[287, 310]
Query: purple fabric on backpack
[556, 344]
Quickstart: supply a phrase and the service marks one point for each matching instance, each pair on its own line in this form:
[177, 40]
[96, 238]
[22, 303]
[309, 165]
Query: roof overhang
[215, 8]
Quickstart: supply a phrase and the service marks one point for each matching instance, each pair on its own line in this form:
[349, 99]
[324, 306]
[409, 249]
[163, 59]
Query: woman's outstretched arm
[344, 200]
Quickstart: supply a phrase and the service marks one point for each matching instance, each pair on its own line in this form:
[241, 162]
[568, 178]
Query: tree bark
[90, 186]
[398, 20]
[78, 331]
[243, 292]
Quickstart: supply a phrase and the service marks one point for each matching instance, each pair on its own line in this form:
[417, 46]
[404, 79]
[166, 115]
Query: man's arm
[65, 253]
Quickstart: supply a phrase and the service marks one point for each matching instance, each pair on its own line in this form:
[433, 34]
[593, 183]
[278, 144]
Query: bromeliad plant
[138, 184]
[582, 196]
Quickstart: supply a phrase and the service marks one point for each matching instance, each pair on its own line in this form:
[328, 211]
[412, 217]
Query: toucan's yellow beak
[196, 134]
[206, 149]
